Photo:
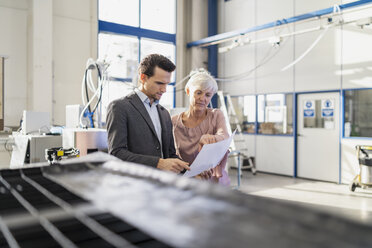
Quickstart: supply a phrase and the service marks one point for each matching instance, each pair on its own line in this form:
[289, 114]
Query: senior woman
[200, 125]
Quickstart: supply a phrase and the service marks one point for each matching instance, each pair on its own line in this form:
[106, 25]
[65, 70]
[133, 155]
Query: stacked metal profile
[102, 202]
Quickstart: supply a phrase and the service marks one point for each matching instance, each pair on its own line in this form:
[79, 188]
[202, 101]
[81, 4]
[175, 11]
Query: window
[245, 109]
[167, 49]
[358, 113]
[128, 31]
[249, 111]
[121, 52]
[119, 11]
[159, 15]
[275, 113]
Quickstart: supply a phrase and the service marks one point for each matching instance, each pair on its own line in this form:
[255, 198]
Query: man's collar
[144, 98]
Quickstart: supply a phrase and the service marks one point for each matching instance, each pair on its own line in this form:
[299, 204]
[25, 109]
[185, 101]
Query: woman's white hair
[201, 79]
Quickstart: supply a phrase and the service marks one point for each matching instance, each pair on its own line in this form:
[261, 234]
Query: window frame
[138, 32]
[343, 115]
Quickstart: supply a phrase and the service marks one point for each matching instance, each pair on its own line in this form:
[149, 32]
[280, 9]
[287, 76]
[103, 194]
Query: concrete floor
[330, 197]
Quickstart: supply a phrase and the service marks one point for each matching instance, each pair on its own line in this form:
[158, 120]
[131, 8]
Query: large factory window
[121, 52]
[130, 30]
[159, 15]
[149, 46]
[124, 12]
[275, 114]
[358, 113]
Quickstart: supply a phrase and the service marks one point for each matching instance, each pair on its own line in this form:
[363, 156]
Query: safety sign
[328, 107]
[309, 108]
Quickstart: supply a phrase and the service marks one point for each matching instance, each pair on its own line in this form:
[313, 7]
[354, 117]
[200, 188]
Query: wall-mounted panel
[271, 10]
[238, 64]
[250, 141]
[240, 14]
[356, 56]
[319, 69]
[270, 60]
[13, 44]
[274, 154]
[71, 50]
[237, 14]
[273, 56]
[81, 10]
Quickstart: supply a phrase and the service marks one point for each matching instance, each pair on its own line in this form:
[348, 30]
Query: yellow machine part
[366, 147]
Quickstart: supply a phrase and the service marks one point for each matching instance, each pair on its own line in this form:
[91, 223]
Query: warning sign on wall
[309, 108]
[328, 107]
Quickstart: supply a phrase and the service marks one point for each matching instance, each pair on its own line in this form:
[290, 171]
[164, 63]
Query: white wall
[342, 59]
[75, 31]
[13, 44]
[274, 154]
[233, 62]
[317, 71]
[47, 44]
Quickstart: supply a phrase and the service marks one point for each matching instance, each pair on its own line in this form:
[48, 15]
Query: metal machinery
[85, 140]
[364, 178]
[31, 148]
[53, 155]
[100, 201]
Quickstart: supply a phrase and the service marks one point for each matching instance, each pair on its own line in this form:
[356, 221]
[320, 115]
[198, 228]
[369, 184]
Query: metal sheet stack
[98, 201]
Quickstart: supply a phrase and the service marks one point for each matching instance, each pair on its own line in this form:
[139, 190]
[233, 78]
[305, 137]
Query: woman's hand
[205, 175]
[206, 139]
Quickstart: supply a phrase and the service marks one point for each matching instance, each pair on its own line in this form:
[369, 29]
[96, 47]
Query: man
[139, 128]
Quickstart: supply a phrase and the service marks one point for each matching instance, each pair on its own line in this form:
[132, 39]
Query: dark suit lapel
[162, 116]
[138, 104]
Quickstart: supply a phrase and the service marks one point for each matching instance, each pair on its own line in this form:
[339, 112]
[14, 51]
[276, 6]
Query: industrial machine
[85, 140]
[101, 201]
[53, 155]
[31, 148]
[364, 178]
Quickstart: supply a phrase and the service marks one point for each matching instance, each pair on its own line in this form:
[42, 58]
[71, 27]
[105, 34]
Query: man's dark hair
[149, 63]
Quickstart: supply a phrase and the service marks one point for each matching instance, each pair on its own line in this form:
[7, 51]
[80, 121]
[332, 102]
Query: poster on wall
[328, 107]
[309, 108]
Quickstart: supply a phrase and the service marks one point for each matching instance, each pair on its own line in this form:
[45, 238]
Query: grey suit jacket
[131, 133]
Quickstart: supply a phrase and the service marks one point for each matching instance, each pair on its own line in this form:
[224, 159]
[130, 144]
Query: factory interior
[294, 82]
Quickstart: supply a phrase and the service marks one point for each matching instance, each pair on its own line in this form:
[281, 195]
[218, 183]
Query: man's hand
[172, 164]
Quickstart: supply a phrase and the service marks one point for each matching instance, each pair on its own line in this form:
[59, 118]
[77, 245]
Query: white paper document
[209, 157]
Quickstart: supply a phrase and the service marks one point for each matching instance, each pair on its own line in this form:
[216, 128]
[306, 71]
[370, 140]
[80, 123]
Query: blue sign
[308, 112]
[309, 108]
[327, 112]
[328, 108]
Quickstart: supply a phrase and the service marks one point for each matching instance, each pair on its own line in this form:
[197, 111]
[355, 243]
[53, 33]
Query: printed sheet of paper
[209, 157]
